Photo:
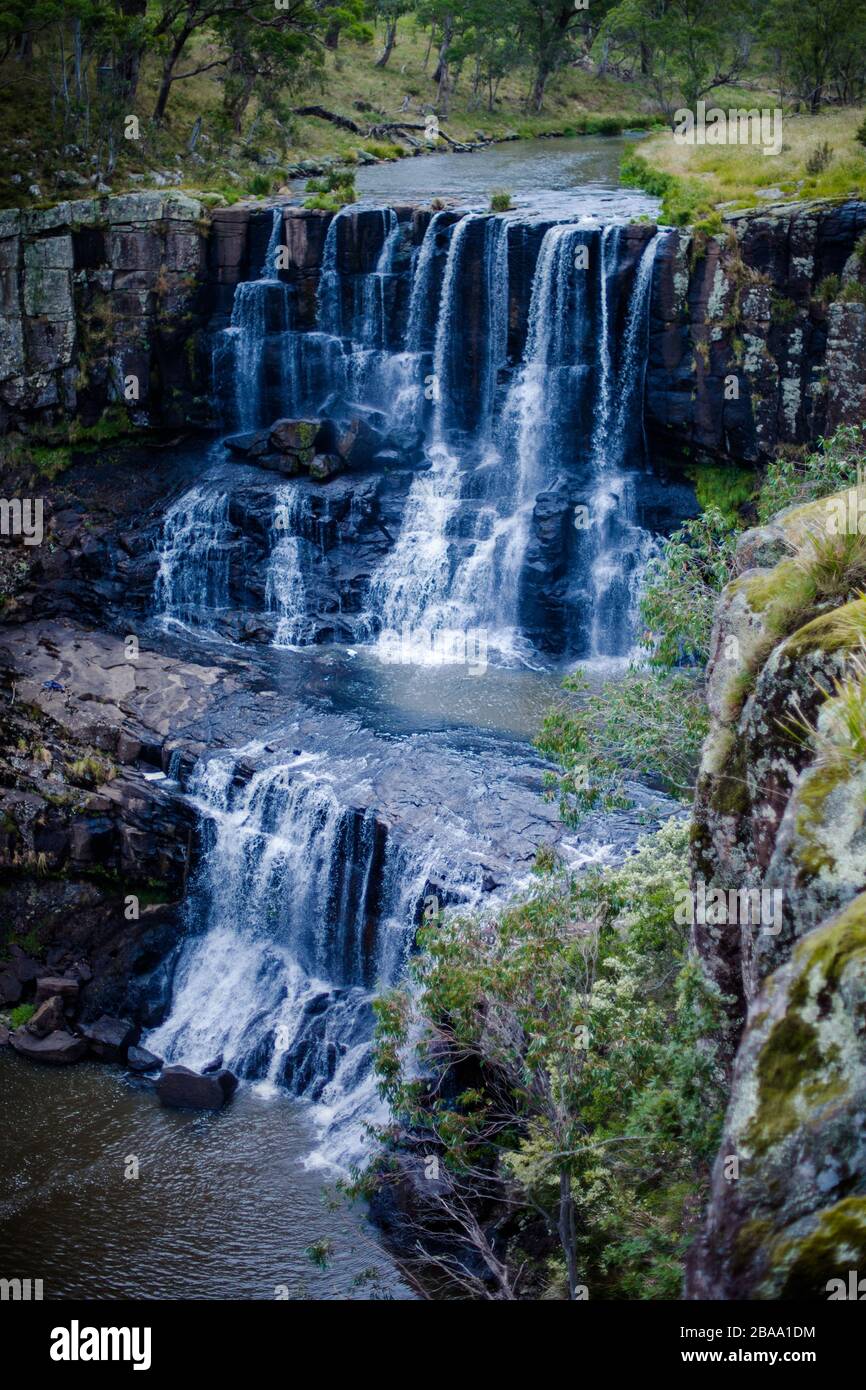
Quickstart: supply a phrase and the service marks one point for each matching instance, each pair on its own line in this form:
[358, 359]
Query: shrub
[790, 480]
[819, 159]
[592, 1038]
[853, 293]
[681, 587]
[500, 200]
[21, 1014]
[829, 288]
[259, 185]
[650, 723]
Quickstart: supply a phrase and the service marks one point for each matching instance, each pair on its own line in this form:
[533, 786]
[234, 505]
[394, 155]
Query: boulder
[10, 987]
[55, 984]
[294, 436]
[4, 1035]
[251, 444]
[59, 1048]
[25, 967]
[324, 467]
[186, 1089]
[48, 1018]
[139, 1059]
[109, 1038]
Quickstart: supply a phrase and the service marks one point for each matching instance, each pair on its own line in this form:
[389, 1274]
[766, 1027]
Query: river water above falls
[398, 633]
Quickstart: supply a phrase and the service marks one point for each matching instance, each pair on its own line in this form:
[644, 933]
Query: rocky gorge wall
[758, 333]
[781, 805]
[753, 344]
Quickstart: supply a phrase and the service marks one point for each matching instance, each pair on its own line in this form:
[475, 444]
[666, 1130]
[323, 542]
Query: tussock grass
[741, 176]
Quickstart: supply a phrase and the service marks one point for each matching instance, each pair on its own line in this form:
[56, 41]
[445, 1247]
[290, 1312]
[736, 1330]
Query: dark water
[223, 1207]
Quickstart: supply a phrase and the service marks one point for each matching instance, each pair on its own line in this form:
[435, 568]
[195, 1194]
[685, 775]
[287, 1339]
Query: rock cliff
[758, 335]
[781, 806]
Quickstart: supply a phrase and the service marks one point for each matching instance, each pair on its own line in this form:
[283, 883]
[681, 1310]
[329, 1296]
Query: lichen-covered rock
[788, 1205]
[744, 356]
[777, 653]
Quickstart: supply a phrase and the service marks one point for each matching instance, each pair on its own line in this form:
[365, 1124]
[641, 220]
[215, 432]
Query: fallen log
[324, 115]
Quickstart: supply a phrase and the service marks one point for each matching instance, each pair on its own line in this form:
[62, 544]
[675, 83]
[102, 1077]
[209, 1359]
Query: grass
[21, 1014]
[820, 158]
[834, 564]
[92, 771]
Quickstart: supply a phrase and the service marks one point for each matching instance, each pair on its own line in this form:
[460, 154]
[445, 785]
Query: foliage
[791, 480]
[681, 587]
[648, 723]
[336, 190]
[500, 201]
[592, 1037]
[689, 47]
[21, 1014]
[682, 201]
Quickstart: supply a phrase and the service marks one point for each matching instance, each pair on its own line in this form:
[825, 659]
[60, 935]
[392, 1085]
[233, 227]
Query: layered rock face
[753, 342]
[97, 845]
[781, 807]
[102, 305]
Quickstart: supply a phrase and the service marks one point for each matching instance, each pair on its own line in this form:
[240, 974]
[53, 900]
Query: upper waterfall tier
[500, 361]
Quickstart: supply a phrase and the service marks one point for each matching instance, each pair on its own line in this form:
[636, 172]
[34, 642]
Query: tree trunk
[565, 1226]
[168, 73]
[390, 37]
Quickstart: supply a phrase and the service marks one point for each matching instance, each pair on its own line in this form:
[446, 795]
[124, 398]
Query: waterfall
[192, 581]
[260, 313]
[309, 910]
[609, 251]
[285, 587]
[414, 583]
[330, 305]
[621, 546]
[373, 328]
[422, 284]
[540, 408]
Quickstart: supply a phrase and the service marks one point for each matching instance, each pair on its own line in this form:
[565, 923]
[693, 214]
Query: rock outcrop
[102, 302]
[781, 808]
[758, 332]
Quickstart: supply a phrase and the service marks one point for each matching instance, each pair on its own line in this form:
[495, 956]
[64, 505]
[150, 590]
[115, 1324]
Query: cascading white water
[309, 908]
[621, 547]
[422, 283]
[308, 899]
[285, 587]
[260, 309]
[192, 581]
[413, 585]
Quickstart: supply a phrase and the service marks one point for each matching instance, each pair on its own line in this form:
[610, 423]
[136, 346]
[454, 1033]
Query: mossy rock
[797, 1124]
